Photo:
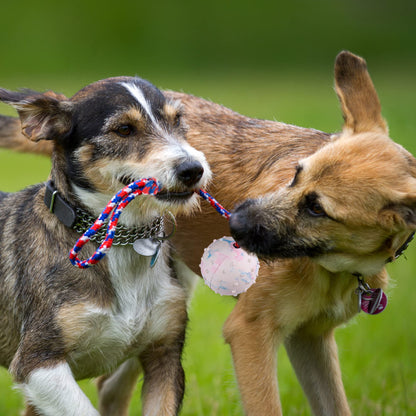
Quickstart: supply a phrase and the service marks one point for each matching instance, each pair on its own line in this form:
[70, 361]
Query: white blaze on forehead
[137, 93]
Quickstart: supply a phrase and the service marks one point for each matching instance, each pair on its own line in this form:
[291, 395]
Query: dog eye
[316, 210]
[177, 120]
[124, 130]
[313, 207]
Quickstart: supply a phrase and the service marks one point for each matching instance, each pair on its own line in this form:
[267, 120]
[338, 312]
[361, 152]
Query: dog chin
[176, 202]
[342, 262]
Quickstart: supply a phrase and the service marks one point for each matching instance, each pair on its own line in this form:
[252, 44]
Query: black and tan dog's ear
[359, 101]
[45, 116]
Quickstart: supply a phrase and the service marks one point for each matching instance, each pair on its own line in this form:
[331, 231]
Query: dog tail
[11, 137]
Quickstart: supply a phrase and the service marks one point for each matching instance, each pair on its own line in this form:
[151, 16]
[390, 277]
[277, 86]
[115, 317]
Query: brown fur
[363, 180]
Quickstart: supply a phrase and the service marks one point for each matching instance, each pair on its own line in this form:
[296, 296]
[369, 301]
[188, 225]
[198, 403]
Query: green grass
[377, 353]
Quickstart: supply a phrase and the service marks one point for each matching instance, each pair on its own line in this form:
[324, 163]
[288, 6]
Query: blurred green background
[96, 38]
[266, 59]
[53, 42]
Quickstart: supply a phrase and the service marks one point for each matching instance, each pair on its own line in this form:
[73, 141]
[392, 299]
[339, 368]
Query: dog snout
[256, 232]
[271, 233]
[239, 220]
[238, 226]
[190, 173]
[246, 228]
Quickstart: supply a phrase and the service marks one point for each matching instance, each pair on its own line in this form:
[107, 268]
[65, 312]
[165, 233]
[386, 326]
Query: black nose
[247, 228]
[190, 172]
[240, 224]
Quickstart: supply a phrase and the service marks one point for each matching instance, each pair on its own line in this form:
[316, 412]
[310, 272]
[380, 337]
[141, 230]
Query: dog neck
[80, 220]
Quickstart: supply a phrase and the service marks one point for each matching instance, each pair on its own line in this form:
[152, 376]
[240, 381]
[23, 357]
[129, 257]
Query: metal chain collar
[123, 235]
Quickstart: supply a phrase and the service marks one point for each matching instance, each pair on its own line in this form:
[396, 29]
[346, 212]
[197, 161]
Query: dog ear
[400, 216]
[400, 220]
[43, 116]
[359, 101]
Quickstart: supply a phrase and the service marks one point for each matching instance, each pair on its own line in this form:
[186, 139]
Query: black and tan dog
[323, 209]
[58, 323]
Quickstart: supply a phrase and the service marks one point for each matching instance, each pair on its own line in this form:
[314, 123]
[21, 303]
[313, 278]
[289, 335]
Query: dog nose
[190, 172]
[239, 225]
[246, 229]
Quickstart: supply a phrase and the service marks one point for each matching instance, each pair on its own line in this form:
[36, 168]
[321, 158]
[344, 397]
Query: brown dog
[323, 209]
[333, 208]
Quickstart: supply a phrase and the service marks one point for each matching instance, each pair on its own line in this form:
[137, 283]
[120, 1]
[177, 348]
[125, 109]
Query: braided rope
[215, 204]
[219, 208]
[148, 186]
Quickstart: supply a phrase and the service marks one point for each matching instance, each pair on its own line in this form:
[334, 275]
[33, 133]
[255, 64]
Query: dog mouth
[165, 195]
[171, 196]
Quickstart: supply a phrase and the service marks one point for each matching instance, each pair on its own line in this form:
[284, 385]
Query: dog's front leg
[253, 345]
[164, 380]
[116, 389]
[315, 360]
[52, 391]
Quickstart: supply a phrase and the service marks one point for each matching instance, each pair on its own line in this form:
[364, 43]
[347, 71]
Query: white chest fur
[140, 314]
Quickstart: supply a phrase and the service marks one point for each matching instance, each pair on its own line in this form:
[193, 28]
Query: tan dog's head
[351, 205]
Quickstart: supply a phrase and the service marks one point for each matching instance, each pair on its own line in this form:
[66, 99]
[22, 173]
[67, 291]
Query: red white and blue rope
[219, 208]
[215, 204]
[148, 186]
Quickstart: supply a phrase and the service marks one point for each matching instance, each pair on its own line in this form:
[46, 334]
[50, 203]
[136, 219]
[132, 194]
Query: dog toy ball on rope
[225, 267]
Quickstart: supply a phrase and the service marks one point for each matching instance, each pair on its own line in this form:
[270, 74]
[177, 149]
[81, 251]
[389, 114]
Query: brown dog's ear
[43, 116]
[400, 216]
[359, 101]
[400, 220]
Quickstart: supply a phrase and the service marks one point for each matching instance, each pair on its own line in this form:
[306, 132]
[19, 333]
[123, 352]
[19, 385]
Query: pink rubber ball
[228, 270]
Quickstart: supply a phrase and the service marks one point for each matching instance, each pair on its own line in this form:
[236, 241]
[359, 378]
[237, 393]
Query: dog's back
[3, 195]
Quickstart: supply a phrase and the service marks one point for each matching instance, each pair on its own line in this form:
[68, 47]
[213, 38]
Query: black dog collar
[400, 251]
[80, 220]
[58, 206]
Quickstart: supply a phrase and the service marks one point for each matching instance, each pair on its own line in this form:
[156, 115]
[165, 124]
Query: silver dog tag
[147, 247]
